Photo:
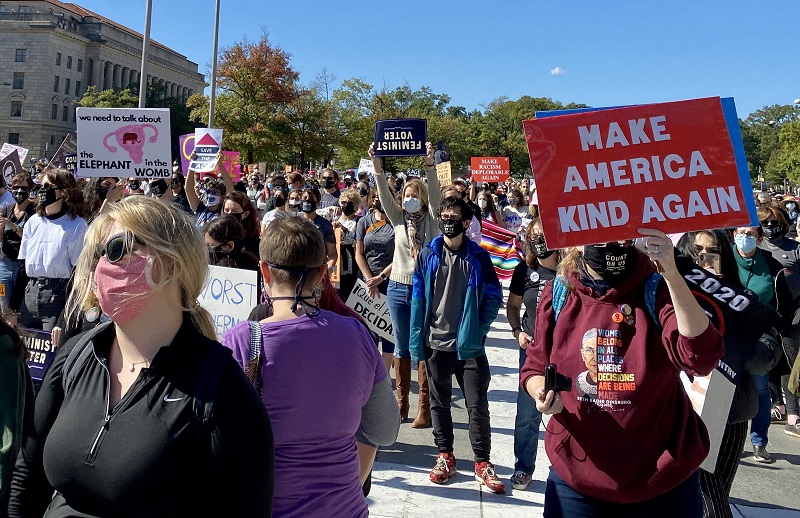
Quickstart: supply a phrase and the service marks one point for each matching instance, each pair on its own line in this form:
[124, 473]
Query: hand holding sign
[659, 248]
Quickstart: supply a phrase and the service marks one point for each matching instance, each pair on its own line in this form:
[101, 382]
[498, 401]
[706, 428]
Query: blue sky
[601, 53]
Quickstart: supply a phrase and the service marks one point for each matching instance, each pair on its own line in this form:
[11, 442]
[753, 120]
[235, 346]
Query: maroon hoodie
[628, 432]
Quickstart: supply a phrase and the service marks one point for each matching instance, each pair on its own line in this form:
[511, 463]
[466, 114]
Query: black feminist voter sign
[401, 137]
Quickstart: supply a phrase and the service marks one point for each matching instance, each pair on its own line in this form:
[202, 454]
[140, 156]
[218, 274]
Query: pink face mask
[122, 288]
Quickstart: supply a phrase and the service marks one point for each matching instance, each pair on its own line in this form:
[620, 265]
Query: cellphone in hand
[555, 381]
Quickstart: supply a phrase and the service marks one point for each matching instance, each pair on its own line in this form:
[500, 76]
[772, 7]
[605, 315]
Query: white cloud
[558, 71]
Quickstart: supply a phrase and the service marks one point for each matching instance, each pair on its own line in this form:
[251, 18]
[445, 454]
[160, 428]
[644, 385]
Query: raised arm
[189, 189]
[226, 175]
[393, 210]
[434, 188]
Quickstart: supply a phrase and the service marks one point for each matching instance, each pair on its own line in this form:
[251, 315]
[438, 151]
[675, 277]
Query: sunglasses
[119, 246]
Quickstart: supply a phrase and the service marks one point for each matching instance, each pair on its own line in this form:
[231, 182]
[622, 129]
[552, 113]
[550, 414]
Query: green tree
[761, 141]
[111, 98]
[255, 84]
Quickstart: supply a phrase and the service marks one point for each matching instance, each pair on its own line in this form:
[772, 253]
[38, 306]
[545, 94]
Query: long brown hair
[73, 197]
[251, 226]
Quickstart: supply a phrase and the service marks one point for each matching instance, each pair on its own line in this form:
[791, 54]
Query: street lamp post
[145, 54]
[214, 70]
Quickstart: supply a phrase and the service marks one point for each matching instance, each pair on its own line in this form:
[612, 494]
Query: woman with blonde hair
[415, 224]
[148, 403]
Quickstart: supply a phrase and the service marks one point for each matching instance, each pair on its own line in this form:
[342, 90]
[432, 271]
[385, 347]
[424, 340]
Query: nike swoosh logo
[172, 399]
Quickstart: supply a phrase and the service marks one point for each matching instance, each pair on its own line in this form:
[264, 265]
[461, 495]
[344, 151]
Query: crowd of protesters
[142, 410]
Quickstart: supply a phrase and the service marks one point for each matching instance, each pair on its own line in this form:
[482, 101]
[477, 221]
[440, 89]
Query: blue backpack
[560, 293]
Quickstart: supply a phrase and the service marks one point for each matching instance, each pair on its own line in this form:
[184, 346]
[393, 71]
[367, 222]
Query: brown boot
[402, 373]
[423, 419]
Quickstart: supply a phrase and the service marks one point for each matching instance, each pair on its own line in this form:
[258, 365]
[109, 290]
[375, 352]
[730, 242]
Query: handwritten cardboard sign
[401, 137]
[444, 172]
[366, 166]
[126, 142]
[675, 167]
[7, 149]
[229, 295]
[374, 311]
[490, 168]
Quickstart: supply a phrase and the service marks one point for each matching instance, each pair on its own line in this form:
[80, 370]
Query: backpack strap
[559, 296]
[79, 355]
[650, 294]
[208, 387]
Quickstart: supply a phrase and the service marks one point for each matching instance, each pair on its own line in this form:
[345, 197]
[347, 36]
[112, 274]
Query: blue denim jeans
[526, 428]
[759, 427]
[685, 501]
[398, 296]
[8, 277]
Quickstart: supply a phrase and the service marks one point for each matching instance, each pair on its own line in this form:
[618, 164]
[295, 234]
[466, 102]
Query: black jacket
[151, 456]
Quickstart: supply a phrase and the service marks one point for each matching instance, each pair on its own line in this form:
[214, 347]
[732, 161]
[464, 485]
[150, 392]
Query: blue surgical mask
[745, 243]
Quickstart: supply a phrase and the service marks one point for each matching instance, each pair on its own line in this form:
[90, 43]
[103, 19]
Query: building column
[173, 92]
[184, 94]
[167, 86]
[116, 79]
[97, 72]
[108, 75]
[134, 77]
[161, 88]
[126, 77]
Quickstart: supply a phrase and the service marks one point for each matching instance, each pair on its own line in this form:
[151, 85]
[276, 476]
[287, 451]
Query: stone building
[52, 51]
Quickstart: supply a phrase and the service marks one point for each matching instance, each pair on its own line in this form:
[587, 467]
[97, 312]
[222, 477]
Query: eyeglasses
[750, 233]
[119, 246]
[449, 219]
[49, 186]
[588, 350]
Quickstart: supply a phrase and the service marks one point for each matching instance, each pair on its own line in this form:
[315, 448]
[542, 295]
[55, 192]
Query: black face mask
[158, 187]
[280, 201]
[363, 192]
[174, 185]
[398, 184]
[20, 196]
[216, 253]
[772, 230]
[377, 206]
[611, 262]
[349, 208]
[348, 183]
[236, 215]
[451, 228]
[308, 206]
[329, 183]
[47, 196]
[540, 248]
[134, 185]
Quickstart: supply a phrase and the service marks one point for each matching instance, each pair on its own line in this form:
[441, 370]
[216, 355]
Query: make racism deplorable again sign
[401, 137]
[125, 142]
[602, 174]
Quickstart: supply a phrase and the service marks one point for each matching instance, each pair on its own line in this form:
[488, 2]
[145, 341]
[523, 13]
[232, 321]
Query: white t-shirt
[271, 216]
[6, 200]
[51, 247]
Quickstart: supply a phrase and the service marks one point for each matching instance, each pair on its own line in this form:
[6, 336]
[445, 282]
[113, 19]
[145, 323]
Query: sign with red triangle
[207, 145]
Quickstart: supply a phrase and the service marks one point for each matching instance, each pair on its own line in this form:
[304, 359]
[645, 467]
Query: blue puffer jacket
[481, 304]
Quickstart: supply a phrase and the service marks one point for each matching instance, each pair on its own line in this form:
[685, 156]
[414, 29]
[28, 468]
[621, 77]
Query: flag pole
[145, 55]
[214, 70]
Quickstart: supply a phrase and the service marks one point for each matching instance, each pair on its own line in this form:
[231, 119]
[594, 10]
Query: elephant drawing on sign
[131, 139]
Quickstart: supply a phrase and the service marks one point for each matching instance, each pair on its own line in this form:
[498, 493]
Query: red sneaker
[484, 473]
[444, 469]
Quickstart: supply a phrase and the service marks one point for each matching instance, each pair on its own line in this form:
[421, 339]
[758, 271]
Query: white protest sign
[374, 311]
[125, 142]
[207, 143]
[10, 148]
[229, 295]
[717, 391]
[366, 166]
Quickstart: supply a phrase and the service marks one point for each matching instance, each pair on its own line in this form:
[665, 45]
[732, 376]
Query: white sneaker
[520, 480]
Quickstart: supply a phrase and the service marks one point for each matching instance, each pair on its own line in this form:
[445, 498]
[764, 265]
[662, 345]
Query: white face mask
[411, 204]
[483, 204]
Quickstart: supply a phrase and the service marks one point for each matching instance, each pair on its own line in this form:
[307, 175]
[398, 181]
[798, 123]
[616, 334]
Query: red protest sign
[490, 168]
[603, 174]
